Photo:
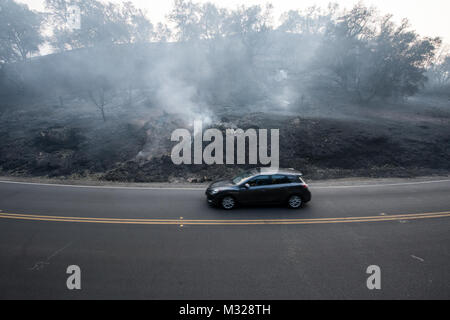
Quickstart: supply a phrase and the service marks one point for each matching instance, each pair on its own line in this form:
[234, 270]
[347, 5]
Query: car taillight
[305, 186]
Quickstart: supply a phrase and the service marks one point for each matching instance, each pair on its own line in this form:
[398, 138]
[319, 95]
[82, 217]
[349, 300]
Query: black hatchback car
[260, 186]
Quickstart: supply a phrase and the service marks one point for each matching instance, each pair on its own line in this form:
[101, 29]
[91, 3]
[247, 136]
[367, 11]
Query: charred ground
[405, 139]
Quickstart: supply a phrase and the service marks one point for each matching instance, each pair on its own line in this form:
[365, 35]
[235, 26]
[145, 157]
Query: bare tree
[99, 92]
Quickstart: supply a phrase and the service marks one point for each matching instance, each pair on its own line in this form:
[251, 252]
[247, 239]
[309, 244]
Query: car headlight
[214, 191]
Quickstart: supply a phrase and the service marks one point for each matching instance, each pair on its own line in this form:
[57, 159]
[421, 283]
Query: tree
[439, 70]
[100, 23]
[19, 32]
[402, 58]
[442, 72]
[100, 92]
[194, 21]
[370, 56]
[312, 21]
[185, 16]
[162, 33]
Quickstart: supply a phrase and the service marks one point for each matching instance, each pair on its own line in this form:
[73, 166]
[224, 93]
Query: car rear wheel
[295, 201]
[228, 203]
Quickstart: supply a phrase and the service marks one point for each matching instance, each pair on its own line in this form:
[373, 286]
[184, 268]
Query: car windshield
[245, 175]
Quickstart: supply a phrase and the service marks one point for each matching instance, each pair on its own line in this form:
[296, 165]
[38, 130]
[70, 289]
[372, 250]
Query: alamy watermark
[74, 280]
[374, 280]
[234, 145]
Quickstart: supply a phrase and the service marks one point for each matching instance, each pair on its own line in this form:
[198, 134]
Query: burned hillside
[137, 149]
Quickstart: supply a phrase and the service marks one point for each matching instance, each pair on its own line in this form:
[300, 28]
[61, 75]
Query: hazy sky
[428, 17]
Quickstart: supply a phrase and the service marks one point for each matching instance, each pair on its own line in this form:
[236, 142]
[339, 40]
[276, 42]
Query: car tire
[295, 201]
[228, 203]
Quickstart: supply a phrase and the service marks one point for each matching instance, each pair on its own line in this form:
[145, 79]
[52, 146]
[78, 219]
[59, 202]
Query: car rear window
[295, 179]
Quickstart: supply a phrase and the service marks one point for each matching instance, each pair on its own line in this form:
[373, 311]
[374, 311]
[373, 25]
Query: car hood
[221, 183]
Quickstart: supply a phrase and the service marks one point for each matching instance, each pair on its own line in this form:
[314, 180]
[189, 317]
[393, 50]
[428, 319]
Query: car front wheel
[295, 201]
[228, 203]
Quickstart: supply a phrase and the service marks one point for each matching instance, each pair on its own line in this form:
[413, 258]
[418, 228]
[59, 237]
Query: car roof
[277, 171]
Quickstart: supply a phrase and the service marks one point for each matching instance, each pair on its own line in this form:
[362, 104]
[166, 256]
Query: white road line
[41, 264]
[382, 184]
[417, 258]
[100, 187]
[203, 188]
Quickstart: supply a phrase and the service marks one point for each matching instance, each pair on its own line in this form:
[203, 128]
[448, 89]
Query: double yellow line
[183, 222]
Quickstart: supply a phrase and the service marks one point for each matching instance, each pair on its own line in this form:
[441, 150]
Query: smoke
[230, 60]
[175, 79]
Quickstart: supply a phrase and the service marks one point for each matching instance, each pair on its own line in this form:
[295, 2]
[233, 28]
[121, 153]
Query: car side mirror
[247, 186]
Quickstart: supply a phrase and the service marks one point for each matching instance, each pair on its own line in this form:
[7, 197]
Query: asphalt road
[169, 244]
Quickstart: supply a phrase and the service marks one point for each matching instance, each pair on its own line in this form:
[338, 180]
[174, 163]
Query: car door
[279, 188]
[256, 193]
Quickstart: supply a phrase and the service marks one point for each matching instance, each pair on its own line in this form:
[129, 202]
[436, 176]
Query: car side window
[259, 181]
[280, 179]
[294, 179]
